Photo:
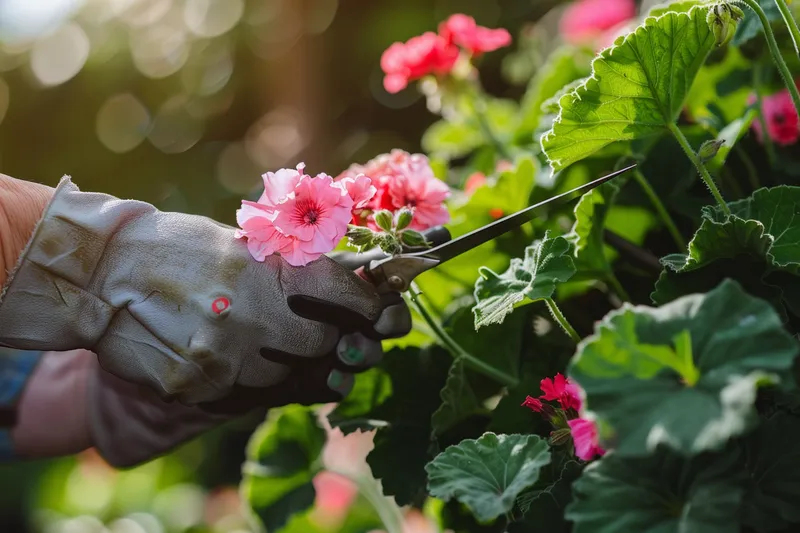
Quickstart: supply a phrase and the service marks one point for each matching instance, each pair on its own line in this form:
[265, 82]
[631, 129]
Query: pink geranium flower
[781, 118]
[584, 435]
[403, 180]
[586, 20]
[420, 56]
[298, 216]
[475, 181]
[533, 404]
[562, 389]
[462, 30]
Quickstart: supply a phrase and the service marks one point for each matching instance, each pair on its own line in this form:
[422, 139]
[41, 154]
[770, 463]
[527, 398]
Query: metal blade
[465, 243]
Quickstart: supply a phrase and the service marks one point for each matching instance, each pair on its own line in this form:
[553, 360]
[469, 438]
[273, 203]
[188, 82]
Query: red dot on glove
[220, 304]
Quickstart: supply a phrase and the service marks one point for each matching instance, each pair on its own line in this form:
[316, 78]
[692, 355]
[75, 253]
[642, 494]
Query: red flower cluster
[402, 180]
[432, 53]
[568, 395]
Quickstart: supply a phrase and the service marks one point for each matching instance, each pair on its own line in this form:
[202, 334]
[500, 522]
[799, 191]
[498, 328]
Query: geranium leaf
[370, 390]
[450, 140]
[403, 418]
[637, 87]
[761, 238]
[282, 460]
[663, 493]
[488, 474]
[590, 219]
[546, 263]
[543, 505]
[681, 6]
[637, 377]
[774, 468]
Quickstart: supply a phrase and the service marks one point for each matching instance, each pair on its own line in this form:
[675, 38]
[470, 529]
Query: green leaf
[590, 219]
[761, 236]
[631, 370]
[546, 263]
[282, 460]
[403, 419]
[543, 505]
[489, 473]
[370, 390]
[773, 463]
[563, 66]
[466, 391]
[731, 134]
[637, 87]
[681, 6]
[663, 493]
[451, 140]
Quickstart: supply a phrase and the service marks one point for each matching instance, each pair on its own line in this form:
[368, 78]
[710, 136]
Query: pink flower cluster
[401, 180]
[783, 125]
[298, 216]
[301, 218]
[432, 53]
[596, 21]
[568, 395]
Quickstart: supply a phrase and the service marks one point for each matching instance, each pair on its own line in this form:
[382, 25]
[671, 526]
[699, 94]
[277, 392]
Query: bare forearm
[21, 207]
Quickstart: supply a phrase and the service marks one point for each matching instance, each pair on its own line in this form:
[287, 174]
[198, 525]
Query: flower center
[308, 213]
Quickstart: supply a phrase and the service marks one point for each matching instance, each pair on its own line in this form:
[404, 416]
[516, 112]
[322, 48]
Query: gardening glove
[176, 303]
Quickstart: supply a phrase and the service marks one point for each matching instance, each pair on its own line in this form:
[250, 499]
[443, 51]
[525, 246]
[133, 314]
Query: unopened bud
[722, 20]
[388, 243]
[709, 149]
[560, 436]
[404, 217]
[384, 219]
[360, 236]
[413, 238]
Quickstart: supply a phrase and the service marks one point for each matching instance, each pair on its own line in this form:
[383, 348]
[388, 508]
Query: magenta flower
[781, 118]
[298, 216]
[462, 30]
[402, 180]
[587, 20]
[562, 389]
[584, 435]
[533, 404]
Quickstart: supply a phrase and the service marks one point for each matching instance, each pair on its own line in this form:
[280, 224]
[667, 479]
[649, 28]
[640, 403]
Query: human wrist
[21, 206]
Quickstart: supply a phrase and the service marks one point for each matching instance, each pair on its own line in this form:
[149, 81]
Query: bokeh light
[211, 18]
[159, 51]
[58, 57]
[236, 171]
[5, 99]
[174, 129]
[122, 123]
[275, 138]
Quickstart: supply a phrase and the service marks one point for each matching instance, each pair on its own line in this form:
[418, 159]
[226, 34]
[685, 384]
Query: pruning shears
[394, 273]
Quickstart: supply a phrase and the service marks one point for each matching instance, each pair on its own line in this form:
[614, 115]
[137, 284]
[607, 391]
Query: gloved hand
[176, 303]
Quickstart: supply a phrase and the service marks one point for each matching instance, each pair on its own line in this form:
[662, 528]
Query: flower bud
[384, 219]
[709, 149]
[404, 217]
[560, 436]
[360, 236]
[388, 243]
[722, 20]
[413, 238]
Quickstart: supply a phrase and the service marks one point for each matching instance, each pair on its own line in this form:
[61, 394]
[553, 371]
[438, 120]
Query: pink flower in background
[462, 30]
[420, 56]
[584, 435]
[298, 216]
[780, 116]
[335, 495]
[403, 180]
[475, 181]
[360, 189]
[586, 20]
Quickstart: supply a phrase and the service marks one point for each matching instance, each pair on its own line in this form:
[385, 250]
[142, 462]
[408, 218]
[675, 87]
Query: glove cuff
[50, 302]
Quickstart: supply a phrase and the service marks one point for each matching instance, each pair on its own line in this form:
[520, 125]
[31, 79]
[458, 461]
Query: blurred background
[184, 104]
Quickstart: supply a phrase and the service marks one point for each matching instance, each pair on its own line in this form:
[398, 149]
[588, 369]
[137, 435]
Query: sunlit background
[184, 104]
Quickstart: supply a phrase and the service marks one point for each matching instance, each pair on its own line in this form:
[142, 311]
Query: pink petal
[586, 20]
[279, 185]
[584, 435]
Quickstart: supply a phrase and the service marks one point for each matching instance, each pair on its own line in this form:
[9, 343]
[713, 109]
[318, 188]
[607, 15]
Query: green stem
[617, 287]
[758, 83]
[413, 298]
[776, 54]
[389, 514]
[662, 211]
[790, 23]
[687, 148]
[562, 320]
[479, 105]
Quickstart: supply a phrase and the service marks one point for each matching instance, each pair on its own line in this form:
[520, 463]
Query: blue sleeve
[16, 368]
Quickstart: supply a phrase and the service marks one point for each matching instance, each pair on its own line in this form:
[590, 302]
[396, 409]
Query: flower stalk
[776, 52]
[413, 298]
[562, 320]
[698, 163]
[790, 23]
[660, 209]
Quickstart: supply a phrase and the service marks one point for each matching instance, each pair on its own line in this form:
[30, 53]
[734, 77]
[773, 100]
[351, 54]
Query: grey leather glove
[176, 303]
